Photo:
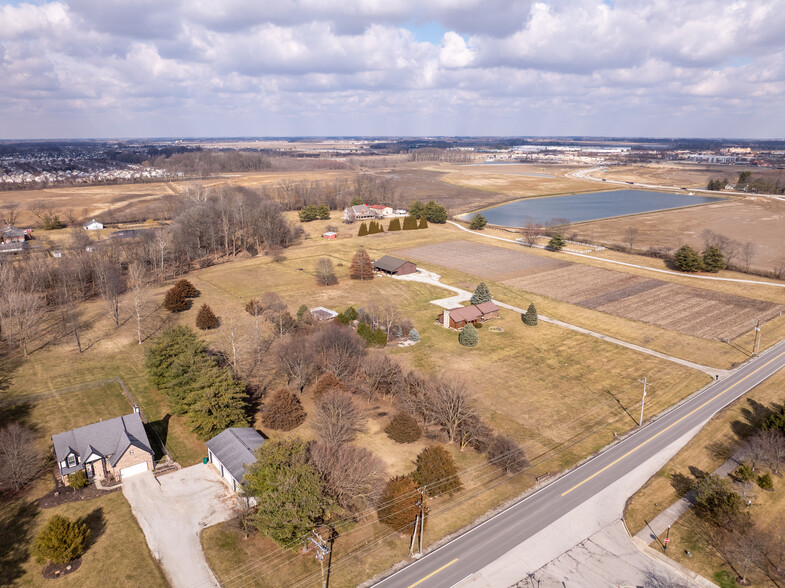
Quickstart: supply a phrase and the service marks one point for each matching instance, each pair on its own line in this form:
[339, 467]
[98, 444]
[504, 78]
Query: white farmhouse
[94, 225]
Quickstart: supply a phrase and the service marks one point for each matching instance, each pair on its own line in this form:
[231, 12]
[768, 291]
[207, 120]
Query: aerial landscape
[405, 294]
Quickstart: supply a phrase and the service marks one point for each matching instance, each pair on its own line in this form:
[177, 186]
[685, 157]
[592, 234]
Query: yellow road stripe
[634, 449]
[432, 574]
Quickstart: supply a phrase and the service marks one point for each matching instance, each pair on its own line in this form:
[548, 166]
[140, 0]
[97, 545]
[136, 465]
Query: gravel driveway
[172, 510]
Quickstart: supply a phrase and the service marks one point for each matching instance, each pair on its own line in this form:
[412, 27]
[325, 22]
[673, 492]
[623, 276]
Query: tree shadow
[720, 450]
[753, 416]
[682, 484]
[16, 526]
[16, 413]
[697, 473]
[96, 523]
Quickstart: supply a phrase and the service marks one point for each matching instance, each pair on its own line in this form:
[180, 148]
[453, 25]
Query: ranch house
[394, 266]
[361, 212]
[231, 451]
[457, 318]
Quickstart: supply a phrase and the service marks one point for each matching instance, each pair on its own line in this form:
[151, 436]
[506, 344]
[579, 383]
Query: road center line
[634, 449]
[432, 574]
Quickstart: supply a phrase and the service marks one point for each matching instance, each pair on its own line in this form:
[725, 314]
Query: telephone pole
[321, 551]
[643, 399]
[419, 526]
[756, 341]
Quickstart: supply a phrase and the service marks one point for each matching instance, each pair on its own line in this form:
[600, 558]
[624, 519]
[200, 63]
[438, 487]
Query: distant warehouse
[394, 266]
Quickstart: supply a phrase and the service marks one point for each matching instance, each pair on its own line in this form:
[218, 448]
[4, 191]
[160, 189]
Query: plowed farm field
[685, 309]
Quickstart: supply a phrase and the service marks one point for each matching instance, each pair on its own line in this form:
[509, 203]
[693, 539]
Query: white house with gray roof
[232, 450]
[114, 448]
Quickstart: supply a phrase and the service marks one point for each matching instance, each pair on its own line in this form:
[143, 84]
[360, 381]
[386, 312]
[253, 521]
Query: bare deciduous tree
[379, 374]
[110, 285]
[10, 213]
[451, 405]
[747, 253]
[21, 312]
[631, 233]
[338, 349]
[137, 279]
[337, 419]
[353, 475]
[20, 461]
[325, 272]
[296, 359]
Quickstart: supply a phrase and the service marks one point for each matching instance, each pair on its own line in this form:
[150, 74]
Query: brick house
[457, 318]
[116, 448]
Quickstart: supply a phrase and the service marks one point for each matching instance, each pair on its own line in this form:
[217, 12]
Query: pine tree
[403, 428]
[61, 540]
[309, 213]
[361, 267]
[283, 411]
[414, 335]
[327, 381]
[398, 504]
[530, 316]
[436, 471]
[468, 336]
[423, 223]
[478, 222]
[687, 259]
[221, 402]
[481, 294]
[435, 213]
[174, 300]
[410, 223]
[395, 225]
[323, 212]
[205, 318]
[186, 288]
[417, 209]
[363, 230]
[713, 260]
[556, 243]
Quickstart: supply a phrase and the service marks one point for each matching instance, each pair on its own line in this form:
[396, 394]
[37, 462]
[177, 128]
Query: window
[71, 460]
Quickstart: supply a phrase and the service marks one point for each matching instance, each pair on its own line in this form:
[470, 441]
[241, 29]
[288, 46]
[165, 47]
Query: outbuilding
[94, 225]
[330, 235]
[232, 450]
[394, 266]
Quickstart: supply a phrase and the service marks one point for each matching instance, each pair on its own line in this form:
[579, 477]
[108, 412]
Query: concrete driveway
[172, 510]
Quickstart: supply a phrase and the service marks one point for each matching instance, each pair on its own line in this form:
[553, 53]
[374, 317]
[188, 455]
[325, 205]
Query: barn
[232, 450]
[394, 266]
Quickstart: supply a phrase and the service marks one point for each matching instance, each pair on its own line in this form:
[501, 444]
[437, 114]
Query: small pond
[585, 207]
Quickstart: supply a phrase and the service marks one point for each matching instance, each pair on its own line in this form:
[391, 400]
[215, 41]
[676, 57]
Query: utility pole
[414, 534]
[643, 399]
[321, 551]
[756, 341]
[419, 525]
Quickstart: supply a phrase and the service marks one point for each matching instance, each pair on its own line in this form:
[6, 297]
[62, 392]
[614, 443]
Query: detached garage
[394, 266]
[232, 450]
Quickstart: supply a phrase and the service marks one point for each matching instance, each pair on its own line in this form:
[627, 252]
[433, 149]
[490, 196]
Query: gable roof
[465, 313]
[389, 264]
[112, 437]
[487, 307]
[9, 232]
[235, 448]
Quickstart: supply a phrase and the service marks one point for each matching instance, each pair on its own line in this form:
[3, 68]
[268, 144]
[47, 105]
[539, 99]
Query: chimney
[446, 319]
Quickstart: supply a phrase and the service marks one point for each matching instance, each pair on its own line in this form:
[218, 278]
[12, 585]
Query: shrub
[373, 337]
[51, 222]
[395, 225]
[478, 222]
[713, 260]
[530, 316]
[61, 540]
[205, 318]
[468, 336]
[687, 259]
[507, 454]
[403, 428]
[326, 382]
[78, 480]
[187, 288]
[481, 294]
[436, 471]
[363, 230]
[283, 411]
[410, 223]
[423, 223]
[174, 301]
[398, 505]
[766, 482]
[556, 243]
[361, 267]
[347, 316]
[744, 473]
[414, 335]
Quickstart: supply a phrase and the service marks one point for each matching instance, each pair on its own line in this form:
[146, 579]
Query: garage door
[133, 470]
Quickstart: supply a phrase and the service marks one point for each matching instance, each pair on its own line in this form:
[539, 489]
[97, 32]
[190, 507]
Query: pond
[585, 207]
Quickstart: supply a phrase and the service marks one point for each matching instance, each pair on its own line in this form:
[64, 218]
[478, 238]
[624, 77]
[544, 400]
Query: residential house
[394, 266]
[457, 318]
[114, 448]
[382, 210]
[232, 450]
[11, 234]
[320, 313]
[361, 212]
[94, 225]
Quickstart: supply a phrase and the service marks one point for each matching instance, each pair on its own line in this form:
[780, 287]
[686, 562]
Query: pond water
[584, 207]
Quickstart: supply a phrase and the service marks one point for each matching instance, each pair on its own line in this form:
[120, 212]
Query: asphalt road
[482, 545]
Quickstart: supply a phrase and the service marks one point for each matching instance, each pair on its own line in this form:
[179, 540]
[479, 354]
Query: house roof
[14, 246]
[112, 438]
[389, 264]
[487, 307]
[94, 222]
[9, 231]
[465, 313]
[235, 448]
[378, 206]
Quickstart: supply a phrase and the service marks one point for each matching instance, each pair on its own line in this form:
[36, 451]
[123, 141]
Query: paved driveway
[172, 510]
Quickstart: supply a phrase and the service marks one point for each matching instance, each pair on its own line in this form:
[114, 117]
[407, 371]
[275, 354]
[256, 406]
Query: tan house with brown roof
[457, 318]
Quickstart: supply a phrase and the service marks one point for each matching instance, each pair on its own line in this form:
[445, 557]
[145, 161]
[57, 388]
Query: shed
[330, 235]
[394, 266]
[94, 225]
[232, 450]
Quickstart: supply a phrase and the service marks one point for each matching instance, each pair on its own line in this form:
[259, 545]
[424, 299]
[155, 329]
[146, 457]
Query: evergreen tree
[283, 411]
[301, 312]
[219, 403]
[326, 382]
[363, 230]
[356, 201]
[468, 336]
[410, 223]
[61, 540]
[436, 471]
[530, 316]
[309, 213]
[481, 294]
[186, 288]
[435, 213]
[556, 243]
[403, 428]
[414, 335]
[323, 212]
[687, 259]
[713, 260]
[478, 222]
[287, 489]
[174, 301]
[361, 267]
[417, 209]
[205, 318]
[423, 223]
[398, 505]
[395, 225]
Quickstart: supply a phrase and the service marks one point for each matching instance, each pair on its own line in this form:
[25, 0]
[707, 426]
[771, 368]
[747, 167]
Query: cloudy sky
[152, 68]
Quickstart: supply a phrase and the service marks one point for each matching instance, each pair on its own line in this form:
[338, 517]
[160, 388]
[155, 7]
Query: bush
[61, 540]
[373, 338]
[403, 428]
[530, 316]
[78, 480]
[395, 225]
[766, 482]
[744, 473]
[414, 335]
[51, 222]
[478, 222]
[326, 382]
[186, 288]
[556, 243]
[410, 223]
[174, 301]
[398, 505]
[283, 411]
[423, 223]
[468, 336]
[436, 471]
[363, 230]
[687, 259]
[205, 318]
[347, 316]
[507, 454]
